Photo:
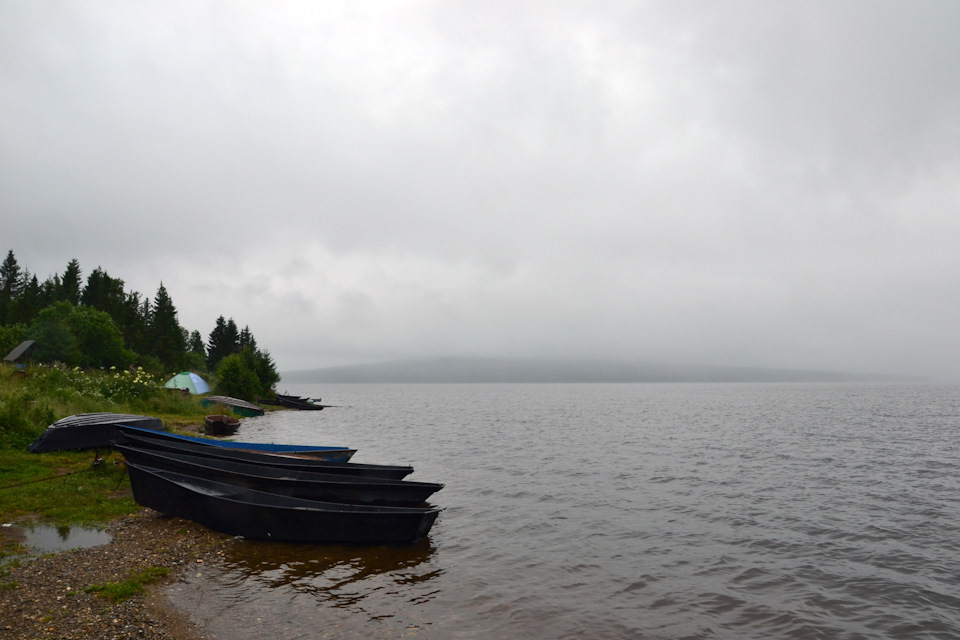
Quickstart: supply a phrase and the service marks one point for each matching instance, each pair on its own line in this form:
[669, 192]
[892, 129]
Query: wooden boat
[89, 431]
[237, 406]
[276, 460]
[331, 454]
[220, 425]
[296, 484]
[295, 402]
[238, 511]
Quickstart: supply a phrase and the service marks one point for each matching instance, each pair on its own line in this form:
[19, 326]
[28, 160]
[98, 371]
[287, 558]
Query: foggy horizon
[744, 184]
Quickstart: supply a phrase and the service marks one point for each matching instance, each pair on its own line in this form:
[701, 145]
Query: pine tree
[195, 344]
[224, 341]
[232, 336]
[10, 278]
[71, 283]
[246, 339]
[30, 302]
[10, 284]
[165, 333]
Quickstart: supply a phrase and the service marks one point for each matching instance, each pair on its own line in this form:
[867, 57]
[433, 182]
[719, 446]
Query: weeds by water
[120, 591]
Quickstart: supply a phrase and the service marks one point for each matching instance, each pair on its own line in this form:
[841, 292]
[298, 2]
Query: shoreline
[44, 596]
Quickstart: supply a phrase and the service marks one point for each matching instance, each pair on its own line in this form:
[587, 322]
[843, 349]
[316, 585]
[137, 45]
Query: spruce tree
[30, 302]
[195, 344]
[70, 283]
[216, 345]
[166, 336]
[10, 284]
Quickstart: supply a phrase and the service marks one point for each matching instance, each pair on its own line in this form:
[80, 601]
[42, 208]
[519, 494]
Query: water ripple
[625, 511]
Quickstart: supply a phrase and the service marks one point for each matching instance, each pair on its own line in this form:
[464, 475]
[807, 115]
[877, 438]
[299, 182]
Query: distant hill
[519, 370]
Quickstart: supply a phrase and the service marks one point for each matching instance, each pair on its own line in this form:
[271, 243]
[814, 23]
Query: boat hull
[296, 484]
[237, 406]
[301, 404]
[220, 425]
[276, 460]
[333, 454]
[89, 431]
[257, 515]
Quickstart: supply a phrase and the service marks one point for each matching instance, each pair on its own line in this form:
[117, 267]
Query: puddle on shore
[43, 538]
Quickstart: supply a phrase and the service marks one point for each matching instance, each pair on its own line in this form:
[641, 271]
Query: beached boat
[220, 425]
[296, 484]
[279, 460]
[296, 402]
[237, 406]
[332, 454]
[256, 515]
[89, 431]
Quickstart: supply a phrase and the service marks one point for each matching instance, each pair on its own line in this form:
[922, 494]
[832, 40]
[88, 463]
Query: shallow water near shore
[623, 511]
[44, 538]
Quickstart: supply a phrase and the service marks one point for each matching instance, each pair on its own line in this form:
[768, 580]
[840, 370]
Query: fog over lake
[738, 184]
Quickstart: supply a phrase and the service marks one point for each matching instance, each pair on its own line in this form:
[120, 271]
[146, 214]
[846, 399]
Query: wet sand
[45, 597]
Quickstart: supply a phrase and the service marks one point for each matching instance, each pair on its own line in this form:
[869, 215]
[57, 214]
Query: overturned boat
[238, 511]
[236, 405]
[90, 431]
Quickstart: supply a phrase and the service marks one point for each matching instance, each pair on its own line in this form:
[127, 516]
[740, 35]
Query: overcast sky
[742, 182]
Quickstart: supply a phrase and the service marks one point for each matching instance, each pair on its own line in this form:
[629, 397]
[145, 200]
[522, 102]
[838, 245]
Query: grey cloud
[753, 183]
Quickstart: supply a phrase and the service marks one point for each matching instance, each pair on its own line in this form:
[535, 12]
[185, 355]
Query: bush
[235, 379]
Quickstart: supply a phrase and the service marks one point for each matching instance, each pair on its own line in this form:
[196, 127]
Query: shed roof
[19, 350]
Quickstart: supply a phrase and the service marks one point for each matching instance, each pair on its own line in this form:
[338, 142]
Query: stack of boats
[284, 493]
[298, 402]
[279, 492]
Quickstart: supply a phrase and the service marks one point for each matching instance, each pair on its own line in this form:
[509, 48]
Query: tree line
[100, 324]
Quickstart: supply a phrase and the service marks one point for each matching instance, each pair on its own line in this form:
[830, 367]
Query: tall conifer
[165, 333]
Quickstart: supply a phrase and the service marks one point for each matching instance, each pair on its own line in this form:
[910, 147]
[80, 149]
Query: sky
[746, 182]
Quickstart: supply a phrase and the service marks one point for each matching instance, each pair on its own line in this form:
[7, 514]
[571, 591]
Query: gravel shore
[45, 598]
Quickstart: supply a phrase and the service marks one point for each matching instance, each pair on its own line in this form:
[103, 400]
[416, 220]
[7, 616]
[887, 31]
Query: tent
[189, 381]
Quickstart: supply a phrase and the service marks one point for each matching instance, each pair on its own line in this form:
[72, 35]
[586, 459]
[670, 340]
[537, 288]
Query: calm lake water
[624, 511]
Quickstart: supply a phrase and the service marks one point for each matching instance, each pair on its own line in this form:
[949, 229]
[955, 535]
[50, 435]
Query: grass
[120, 591]
[63, 488]
[67, 488]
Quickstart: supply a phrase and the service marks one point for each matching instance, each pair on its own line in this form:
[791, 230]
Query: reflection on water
[327, 569]
[280, 586]
[43, 538]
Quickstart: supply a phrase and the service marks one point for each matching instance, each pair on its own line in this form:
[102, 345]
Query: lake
[623, 511]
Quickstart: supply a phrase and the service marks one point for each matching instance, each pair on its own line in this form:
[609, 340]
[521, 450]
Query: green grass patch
[63, 488]
[120, 591]
[67, 488]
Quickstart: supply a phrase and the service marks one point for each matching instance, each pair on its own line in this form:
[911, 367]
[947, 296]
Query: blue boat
[296, 462]
[330, 454]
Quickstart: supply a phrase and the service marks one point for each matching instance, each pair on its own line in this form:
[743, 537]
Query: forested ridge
[99, 324]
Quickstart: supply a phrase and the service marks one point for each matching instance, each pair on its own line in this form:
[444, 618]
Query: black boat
[296, 484]
[276, 460]
[330, 454]
[220, 425]
[296, 402]
[89, 431]
[256, 515]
